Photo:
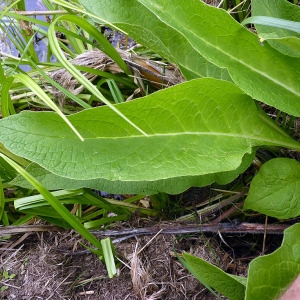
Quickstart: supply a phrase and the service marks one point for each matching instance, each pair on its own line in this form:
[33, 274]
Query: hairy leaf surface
[203, 126]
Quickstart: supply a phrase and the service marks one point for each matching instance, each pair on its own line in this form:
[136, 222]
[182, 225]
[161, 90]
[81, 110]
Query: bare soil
[56, 266]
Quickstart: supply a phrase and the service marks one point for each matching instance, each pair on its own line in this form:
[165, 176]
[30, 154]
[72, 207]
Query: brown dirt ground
[52, 266]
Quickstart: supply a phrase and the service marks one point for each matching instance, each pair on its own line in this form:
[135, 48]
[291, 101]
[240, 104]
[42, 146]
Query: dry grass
[49, 266]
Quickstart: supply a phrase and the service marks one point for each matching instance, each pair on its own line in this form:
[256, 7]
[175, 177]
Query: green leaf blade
[108, 253]
[270, 275]
[149, 30]
[275, 190]
[216, 278]
[260, 71]
[191, 129]
[171, 185]
[224, 42]
[285, 41]
[274, 22]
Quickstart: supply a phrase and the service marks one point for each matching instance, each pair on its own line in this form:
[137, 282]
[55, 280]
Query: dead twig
[231, 228]
[8, 230]
[230, 211]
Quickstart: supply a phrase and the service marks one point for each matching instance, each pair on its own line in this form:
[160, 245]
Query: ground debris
[47, 267]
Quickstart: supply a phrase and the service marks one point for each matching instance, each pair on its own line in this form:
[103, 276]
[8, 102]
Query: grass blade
[27, 81]
[76, 74]
[2, 199]
[7, 107]
[108, 253]
[55, 203]
[273, 22]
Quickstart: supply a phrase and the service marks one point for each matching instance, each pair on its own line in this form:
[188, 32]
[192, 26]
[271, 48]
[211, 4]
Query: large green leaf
[270, 275]
[146, 28]
[275, 190]
[261, 71]
[228, 285]
[286, 41]
[200, 127]
[171, 185]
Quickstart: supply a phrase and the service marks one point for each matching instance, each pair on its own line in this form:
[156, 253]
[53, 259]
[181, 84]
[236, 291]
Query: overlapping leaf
[286, 41]
[170, 185]
[260, 71]
[147, 28]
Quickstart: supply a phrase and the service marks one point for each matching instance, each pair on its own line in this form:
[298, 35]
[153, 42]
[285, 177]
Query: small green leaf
[275, 190]
[216, 278]
[270, 275]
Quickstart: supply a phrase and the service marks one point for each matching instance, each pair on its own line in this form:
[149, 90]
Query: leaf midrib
[228, 55]
[257, 139]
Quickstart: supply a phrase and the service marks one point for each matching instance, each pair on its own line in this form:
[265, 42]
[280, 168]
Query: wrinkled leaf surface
[200, 127]
[171, 185]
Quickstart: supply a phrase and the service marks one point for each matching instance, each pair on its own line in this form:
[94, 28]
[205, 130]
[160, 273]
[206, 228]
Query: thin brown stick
[149, 242]
[17, 242]
[185, 229]
[233, 9]
[265, 235]
[227, 213]
[224, 203]
[7, 230]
